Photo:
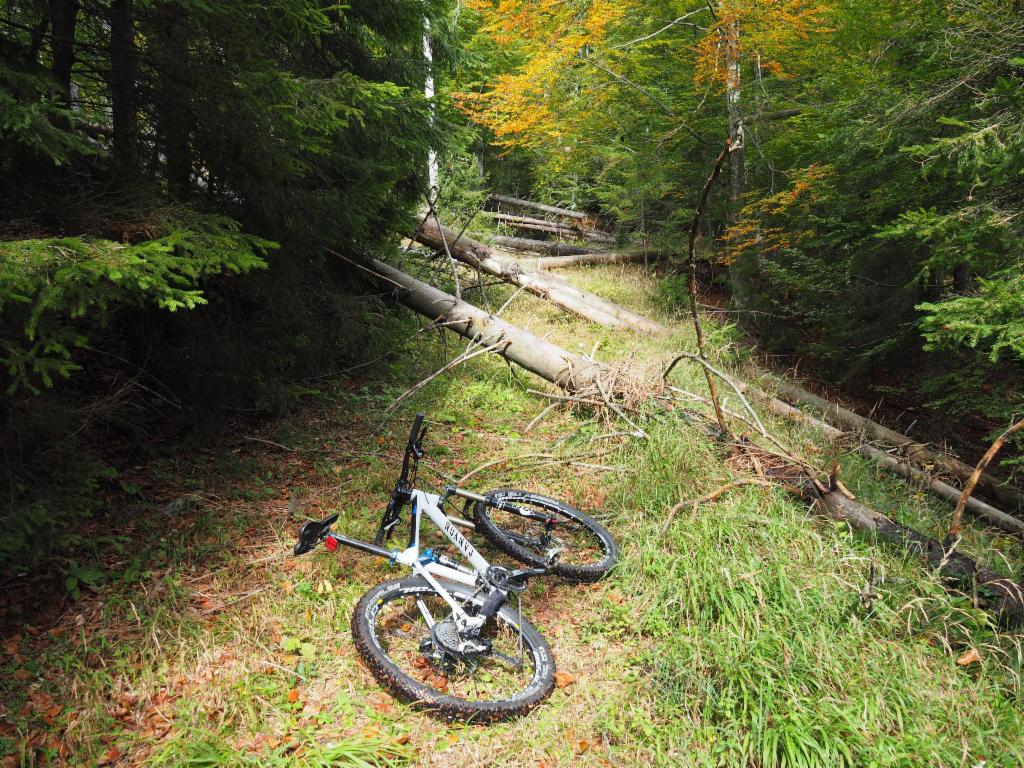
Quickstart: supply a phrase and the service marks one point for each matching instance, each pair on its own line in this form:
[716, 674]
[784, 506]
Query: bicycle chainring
[500, 577]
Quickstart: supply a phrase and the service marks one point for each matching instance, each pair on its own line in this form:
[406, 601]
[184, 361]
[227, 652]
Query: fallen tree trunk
[923, 479]
[989, 485]
[578, 234]
[567, 370]
[555, 290]
[633, 255]
[537, 206]
[541, 246]
[571, 373]
[541, 225]
[1005, 597]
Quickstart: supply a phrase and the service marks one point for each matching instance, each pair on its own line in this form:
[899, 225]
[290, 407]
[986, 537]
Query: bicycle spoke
[404, 629]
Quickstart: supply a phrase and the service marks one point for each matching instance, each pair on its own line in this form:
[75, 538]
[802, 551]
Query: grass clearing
[738, 636]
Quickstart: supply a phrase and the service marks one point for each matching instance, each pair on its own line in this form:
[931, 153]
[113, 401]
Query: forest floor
[739, 634]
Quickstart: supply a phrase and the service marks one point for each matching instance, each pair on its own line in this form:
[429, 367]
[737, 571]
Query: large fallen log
[540, 225]
[538, 206]
[567, 370]
[541, 246]
[990, 486]
[577, 234]
[1003, 596]
[922, 479]
[571, 373]
[557, 291]
[632, 255]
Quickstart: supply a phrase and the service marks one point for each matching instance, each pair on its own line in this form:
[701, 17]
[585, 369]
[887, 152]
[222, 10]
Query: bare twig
[467, 355]
[376, 274]
[712, 496]
[671, 24]
[708, 370]
[637, 432]
[544, 460]
[958, 513]
[267, 442]
[544, 412]
[511, 298]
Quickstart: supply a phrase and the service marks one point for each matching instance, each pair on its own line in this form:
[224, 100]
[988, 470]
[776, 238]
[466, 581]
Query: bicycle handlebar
[414, 433]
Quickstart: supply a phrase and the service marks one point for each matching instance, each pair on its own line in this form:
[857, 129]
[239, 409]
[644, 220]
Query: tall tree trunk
[173, 98]
[123, 85]
[64, 20]
[428, 92]
[36, 40]
[737, 171]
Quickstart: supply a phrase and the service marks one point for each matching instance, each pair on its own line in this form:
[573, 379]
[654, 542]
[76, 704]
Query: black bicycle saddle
[311, 533]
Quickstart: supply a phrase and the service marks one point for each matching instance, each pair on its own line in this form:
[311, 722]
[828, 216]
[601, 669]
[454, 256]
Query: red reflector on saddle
[331, 543]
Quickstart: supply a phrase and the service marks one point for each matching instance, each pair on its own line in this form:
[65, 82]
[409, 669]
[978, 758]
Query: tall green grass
[761, 651]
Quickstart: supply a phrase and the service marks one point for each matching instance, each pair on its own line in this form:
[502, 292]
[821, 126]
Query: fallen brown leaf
[293, 695]
[969, 657]
[563, 679]
[384, 706]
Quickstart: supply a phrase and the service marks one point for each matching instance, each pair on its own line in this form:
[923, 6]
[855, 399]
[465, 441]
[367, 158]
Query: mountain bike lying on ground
[459, 648]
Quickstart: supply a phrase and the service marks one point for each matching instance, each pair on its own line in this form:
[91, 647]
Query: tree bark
[737, 169]
[569, 371]
[1001, 492]
[923, 479]
[633, 255]
[540, 225]
[123, 85]
[63, 22]
[174, 98]
[555, 290]
[538, 206]
[542, 246]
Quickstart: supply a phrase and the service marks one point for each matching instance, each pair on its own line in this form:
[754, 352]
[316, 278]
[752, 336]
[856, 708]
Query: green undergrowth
[747, 631]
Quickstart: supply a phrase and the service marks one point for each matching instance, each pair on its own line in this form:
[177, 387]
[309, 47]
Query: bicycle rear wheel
[588, 550]
[405, 654]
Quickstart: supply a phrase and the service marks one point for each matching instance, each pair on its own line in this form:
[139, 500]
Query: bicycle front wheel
[587, 550]
[402, 630]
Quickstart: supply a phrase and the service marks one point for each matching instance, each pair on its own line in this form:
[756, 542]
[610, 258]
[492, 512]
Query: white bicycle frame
[431, 570]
